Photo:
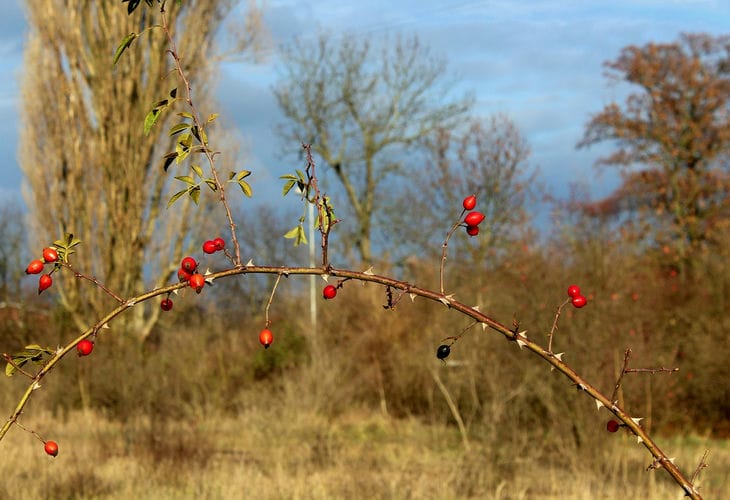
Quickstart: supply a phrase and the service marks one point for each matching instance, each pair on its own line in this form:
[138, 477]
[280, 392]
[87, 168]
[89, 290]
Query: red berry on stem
[329, 292]
[189, 265]
[612, 426]
[84, 347]
[210, 247]
[472, 230]
[166, 304]
[197, 282]
[573, 291]
[266, 338]
[470, 202]
[183, 275]
[579, 301]
[35, 267]
[51, 448]
[50, 254]
[220, 243]
[474, 218]
[44, 282]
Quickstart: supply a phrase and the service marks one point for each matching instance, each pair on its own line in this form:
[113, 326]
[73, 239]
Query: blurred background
[596, 140]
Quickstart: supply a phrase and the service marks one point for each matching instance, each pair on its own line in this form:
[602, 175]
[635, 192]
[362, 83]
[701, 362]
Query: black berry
[443, 351]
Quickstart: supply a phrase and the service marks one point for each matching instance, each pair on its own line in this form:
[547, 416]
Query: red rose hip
[474, 218]
[329, 292]
[51, 448]
[44, 282]
[197, 282]
[266, 338]
[210, 247]
[579, 301]
[189, 265]
[469, 202]
[50, 254]
[84, 347]
[35, 267]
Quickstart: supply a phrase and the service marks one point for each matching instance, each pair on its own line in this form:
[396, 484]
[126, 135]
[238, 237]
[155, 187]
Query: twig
[9, 359]
[96, 282]
[703, 464]
[627, 355]
[199, 124]
[651, 370]
[444, 246]
[271, 299]
[554, 328]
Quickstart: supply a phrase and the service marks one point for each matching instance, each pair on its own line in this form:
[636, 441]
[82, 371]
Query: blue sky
[540, 62]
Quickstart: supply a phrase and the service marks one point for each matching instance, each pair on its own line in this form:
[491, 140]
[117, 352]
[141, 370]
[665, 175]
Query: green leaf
[297, 234]
[124, 45]
[176, 197]
[211, 184]
[242, 175]
[186, 179]
[288, 186]
[195, 194]
[185, 115]
[176, 129]
[168, 159]
[212, 117]
[198, 171]
[32, 352]
[246, 188]
[151, 119]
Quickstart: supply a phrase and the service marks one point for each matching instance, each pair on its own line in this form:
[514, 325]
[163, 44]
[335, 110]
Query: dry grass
[290, 452]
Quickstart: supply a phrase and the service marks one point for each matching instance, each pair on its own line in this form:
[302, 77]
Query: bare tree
[12, 242]
[362, 109]
[90, 170]
[485, 157]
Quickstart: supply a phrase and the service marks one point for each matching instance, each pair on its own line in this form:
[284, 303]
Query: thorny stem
[320, 202]
[199, 124]
[368, 276]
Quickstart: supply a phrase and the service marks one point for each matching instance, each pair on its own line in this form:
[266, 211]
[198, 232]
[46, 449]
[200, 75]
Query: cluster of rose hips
[213, 246]
[188, 272]
[576, 298]
[50, 256]
[473, 218]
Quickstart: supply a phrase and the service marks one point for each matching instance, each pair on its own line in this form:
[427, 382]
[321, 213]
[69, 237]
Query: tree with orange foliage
[673, 138]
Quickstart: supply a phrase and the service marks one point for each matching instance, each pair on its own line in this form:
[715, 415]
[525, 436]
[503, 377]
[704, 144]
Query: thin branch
[271, 299]
[627, 355]
[703, 464]
[554, 328]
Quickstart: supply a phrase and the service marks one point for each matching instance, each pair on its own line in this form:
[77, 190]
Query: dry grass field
[287, 452]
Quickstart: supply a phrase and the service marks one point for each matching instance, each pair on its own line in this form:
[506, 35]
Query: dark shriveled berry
[443, 351]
